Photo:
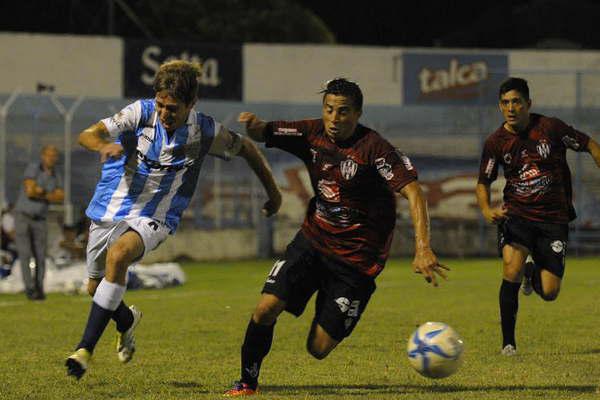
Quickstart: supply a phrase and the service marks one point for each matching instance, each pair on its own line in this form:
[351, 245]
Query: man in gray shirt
[42, 184]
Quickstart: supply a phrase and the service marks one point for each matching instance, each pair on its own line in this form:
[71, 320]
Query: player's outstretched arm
[493, 215]
[594, 150]
[255, 127]
[257, 161]
[425, 261]
[97, 138]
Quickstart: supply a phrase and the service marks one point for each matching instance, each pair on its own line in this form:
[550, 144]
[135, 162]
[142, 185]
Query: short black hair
[344, 87]
[518, 84]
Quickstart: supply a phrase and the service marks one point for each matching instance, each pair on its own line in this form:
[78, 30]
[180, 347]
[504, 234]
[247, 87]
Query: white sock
[108, 295]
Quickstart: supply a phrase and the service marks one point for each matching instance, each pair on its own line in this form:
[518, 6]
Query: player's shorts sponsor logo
[507, 158]
[343, 303]
[571, 143]
[348, 168]
[543, 149]
[557, 246]
[384, 169]
[329, 190]
[489, 167]
[287, 132]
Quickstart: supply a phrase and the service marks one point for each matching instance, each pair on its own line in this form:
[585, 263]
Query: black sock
[257, 344]
[96, 324]
[123, 317]
[509, 305]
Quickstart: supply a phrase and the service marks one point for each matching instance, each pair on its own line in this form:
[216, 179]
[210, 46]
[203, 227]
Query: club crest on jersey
[543, 149]
[348, 168]
[507, 158]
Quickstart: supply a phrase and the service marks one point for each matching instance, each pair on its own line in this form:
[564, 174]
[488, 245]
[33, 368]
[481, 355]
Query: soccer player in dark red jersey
[345, 238]
[537, 207]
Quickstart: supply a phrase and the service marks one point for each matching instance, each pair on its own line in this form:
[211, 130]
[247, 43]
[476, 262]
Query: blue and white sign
[453, 79]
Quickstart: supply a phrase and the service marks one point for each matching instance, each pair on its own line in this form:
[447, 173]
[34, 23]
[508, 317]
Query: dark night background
[483, 24]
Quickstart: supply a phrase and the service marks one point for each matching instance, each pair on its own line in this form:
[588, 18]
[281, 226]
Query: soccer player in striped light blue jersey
[152, 152]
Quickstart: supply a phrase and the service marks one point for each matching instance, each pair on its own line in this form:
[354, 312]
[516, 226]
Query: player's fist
[273, 204]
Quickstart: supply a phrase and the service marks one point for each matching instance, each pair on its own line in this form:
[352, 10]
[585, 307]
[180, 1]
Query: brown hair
[179, 78]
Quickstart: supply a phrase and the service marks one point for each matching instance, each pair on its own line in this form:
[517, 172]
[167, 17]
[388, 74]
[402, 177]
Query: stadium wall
[71, 65]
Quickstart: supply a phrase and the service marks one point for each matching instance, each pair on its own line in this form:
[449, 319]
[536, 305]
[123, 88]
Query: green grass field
[189, 340]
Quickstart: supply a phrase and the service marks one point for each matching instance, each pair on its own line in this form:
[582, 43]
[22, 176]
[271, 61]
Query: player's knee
[550, 295]
[266, 314]
[318, 352]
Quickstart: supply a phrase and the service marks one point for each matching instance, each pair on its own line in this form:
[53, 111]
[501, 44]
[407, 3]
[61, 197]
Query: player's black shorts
[342, 292]
[546, 242]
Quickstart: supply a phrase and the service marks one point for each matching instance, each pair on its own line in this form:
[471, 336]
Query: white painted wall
[296, 73]
[74, 65]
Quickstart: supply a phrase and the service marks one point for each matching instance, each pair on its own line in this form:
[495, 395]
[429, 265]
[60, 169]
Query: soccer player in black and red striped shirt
[345, 238]
[537, 207]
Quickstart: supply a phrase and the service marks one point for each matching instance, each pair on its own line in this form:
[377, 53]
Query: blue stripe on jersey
[112, 172]
[141, 174]
[181, 136]
[190, 177]
[147, 110]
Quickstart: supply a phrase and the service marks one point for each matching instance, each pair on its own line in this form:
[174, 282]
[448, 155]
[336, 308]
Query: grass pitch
[189, 339]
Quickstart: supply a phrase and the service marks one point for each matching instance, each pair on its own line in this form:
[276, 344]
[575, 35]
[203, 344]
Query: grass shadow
[396, 389]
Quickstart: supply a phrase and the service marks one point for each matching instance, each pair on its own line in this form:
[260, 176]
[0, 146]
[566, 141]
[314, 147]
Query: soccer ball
[435, 350]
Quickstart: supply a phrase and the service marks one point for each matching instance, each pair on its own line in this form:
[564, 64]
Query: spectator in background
[42, 185]
[8, 252]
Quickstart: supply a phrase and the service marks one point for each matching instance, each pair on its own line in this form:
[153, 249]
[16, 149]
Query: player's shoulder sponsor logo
[405, 160]
[543, 148]
[348, 168]
[314, 153]
[119, 119]
[287, 132]
[571, 143]
[489, 167]
[384, 168]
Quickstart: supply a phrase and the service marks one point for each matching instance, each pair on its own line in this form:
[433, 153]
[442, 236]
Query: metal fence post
[3, 115]
[68, 116]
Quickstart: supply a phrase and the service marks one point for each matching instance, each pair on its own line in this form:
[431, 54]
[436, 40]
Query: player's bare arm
[594, 150]
[255, 127]
[493, 215]
[425, 261]
[97, 138]
[257, 161]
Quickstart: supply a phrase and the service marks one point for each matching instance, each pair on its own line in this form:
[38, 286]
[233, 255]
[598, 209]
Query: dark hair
[344, 87]
[179, 78]
[518, 84]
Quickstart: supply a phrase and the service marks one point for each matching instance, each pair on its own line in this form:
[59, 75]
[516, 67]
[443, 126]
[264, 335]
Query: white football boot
[126, 340]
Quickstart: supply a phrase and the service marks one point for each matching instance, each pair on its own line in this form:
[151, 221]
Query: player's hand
[110, 150]
[495, 215]
[249, 119]
[426, 263]
[273, 204]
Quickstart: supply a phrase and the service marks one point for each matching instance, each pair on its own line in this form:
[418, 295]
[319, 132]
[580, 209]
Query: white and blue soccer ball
[435, 350]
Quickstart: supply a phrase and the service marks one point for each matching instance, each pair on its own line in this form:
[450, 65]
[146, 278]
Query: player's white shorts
[103, 234]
